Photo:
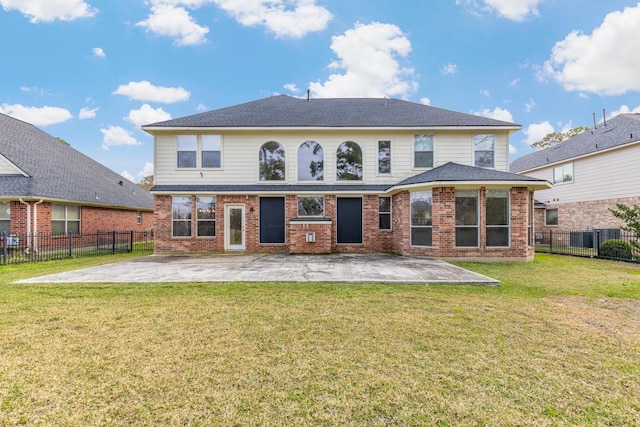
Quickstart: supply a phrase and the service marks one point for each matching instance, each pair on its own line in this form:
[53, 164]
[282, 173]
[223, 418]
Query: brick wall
[298, 231]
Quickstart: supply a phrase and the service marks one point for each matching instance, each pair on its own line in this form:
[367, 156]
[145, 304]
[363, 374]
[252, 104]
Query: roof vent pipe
[604, 116]
[308, 95]
[595, 126]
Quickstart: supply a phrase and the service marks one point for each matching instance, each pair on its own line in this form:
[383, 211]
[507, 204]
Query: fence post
[113, 242]
[550, 241]
[597, 243]
[70, 245]
[3, 239]
[131, 242]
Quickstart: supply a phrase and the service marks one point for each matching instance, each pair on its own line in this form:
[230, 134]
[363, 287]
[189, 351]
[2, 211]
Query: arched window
[349, 162]
[272, 162]
[310, 162]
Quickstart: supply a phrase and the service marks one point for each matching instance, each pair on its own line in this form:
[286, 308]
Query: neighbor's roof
[619, 131]
[56, 171]
[285, 111]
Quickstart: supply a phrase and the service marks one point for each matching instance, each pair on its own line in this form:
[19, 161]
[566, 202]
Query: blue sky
[93, 71]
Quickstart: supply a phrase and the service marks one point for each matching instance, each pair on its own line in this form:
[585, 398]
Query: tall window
[497, 208]
[467, 218]
[187, 151]
[211, 151]
[423, 151]
[563, 174]
[551, 217]
[310, 162]
[5, 217]
[272, 163]
[181, 216]
[65, 219]
[384, 213]
[483, 146]
[205, 216]
[384, 157]
[311, 206]
[199, 151]
[139, 217]
[349, 162]
[421, 218]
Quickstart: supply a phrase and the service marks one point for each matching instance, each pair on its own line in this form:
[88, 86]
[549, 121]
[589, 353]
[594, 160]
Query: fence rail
[21, 248]
[606, 243]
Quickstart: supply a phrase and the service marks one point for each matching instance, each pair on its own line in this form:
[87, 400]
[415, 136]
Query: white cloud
[201, 107]
[537, 131]
[625, 110]
[528, 106]
[368, 54]
[87, 113]
[175, 22]
[514, 82]
[48, 10]
[425, 101]
[127, 175]
[606, 62]
[146, 170]
[485, 92]
[99, 52]
[497, 114]
[301, 18]
[449, 69]
[514, 10]
[147, 115]
[37, 116]
[291, 87]
[512, 150]
[145, 91]
[115, 135]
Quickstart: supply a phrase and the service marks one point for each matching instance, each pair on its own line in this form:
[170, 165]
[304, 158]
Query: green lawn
[557, 344]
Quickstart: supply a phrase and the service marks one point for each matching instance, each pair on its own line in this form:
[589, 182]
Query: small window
[384, 213]
[497, 221]
[349, 162]
[139, 217]
[5, 217]
[467, 218]
[272, 162]
[206, 216]
[65, 219]
[384, 157]
[211, 151]
[551, 217]
[423, 151]
[563, 174]
[421, 218]
[484, 150]
[187, 151]
[310, 206]
[181, 216]
[310, 162]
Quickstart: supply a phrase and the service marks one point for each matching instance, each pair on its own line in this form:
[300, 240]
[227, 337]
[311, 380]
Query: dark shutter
[349, 220]
[272, 220]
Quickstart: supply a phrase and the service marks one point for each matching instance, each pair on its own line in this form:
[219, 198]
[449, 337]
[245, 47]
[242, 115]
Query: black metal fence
[607, 243]
[21, 248]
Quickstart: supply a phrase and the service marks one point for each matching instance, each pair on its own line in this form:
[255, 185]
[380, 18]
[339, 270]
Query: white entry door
[234, 228]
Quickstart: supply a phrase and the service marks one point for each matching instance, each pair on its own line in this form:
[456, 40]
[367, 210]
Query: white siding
[240, 155]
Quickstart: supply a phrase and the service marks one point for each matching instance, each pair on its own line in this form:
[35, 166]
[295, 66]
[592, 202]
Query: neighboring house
[591, 173]
[291, 175]
[48, 187]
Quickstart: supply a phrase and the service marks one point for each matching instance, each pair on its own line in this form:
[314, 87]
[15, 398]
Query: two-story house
[292, 175]
[591, 173]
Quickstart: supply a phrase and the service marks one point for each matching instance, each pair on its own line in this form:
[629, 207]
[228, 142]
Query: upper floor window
[310, 162]
[421, 218]
[208, 146]
[497, 221]
[65, 219]
[181, 216]
[272, 162]
[384, 157]
[563, 173]
[5, 217]
[423, 151]
[349, 162]
[311, 206]
[467, 218]
[483, 146]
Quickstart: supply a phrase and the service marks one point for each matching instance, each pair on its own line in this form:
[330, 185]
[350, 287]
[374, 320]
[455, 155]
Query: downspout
[28, 222]
[35, 224]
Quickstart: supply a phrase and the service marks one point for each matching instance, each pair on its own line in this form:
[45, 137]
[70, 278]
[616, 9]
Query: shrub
[616, 248]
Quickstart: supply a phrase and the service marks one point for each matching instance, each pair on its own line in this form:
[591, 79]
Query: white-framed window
[551, 217]
[349, 162]
[311, 206]
[497, 218]
[310, 162]
[65, 219]
[199, 151]
[181, 216]
[423, 146]
[139, 217]
[467, 218]
[5, 217]
[271, 160]
[384, 157]
[484, 146]
[206, 216]
[421, 203]
[384, 213]
[563, 174]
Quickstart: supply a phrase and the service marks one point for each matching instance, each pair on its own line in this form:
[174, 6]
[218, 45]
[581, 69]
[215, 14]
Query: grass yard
[557, 344]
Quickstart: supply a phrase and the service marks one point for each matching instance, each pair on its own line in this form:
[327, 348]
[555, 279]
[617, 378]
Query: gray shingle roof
[620, 130]
[57, 171]
[285, 111]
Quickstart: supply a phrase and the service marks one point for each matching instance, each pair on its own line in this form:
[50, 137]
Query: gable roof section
[56, 171]
[283, 111]
[621, 130]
